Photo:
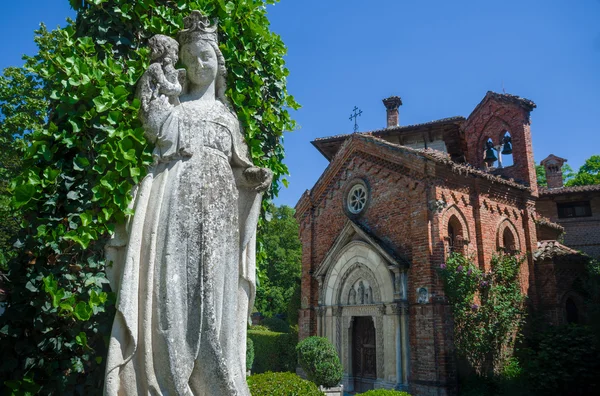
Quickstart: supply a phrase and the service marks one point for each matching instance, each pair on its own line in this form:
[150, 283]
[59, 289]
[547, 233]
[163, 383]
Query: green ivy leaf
[23, 194]
[81, 339]
[80, 163]
[82, 311]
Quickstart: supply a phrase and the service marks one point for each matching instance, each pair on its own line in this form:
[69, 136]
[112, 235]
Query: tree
[86, 151]
[22, 108]
[589, 173]
[281, 269]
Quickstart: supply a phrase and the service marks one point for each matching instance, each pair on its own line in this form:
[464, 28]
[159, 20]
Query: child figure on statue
[158, 90]
[161, 77]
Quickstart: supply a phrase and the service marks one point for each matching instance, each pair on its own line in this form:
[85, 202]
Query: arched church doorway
[364, 354]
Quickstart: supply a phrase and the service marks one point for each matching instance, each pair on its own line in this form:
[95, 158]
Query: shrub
[319, 359]
[259, 328]
[563, 360]
[249, 353]
[281, 384]
[275, 324]
[273, 351]
[487, 308]
[384, 392]
[509, 383]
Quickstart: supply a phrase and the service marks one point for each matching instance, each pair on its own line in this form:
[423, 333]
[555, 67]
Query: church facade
[384, 215]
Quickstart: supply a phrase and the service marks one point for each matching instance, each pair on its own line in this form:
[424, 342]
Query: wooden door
[364, 353]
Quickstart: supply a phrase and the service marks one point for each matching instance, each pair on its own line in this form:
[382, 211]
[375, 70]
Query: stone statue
[361, 292]
[352, 296]
[422, 296]
[184, 266]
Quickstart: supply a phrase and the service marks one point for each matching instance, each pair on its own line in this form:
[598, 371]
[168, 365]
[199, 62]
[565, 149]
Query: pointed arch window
[455, 236]
[509, 241]
[572, 311]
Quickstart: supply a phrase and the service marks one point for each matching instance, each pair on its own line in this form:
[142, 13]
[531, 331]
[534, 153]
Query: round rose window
[357, 198]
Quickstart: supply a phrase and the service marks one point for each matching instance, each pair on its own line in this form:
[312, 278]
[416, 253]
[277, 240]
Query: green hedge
[384, 392]
[249, 353]
[259, 328]
[281, 384]
[274, 351]
[275, 324]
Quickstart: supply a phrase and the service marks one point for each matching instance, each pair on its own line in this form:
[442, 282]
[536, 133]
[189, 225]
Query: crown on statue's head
[197, 26]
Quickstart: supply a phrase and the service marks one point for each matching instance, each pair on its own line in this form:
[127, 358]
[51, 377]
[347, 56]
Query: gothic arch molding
[357, 255]
[505, 226]
[453, 212]
[494, 128]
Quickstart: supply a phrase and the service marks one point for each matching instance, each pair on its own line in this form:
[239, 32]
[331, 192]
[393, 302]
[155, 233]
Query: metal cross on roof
[356, 112]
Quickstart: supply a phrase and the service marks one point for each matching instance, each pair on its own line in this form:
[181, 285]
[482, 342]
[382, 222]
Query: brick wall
[557, 280]
[581, 233]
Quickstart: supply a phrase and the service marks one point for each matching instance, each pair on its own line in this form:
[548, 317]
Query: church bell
[490, 156]
[507, 149]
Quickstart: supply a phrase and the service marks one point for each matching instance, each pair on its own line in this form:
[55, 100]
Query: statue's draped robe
[185, 272]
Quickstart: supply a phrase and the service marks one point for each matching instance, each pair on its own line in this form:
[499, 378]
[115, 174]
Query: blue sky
[441, 57]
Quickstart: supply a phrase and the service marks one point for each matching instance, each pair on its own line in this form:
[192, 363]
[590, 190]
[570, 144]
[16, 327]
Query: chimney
[553, 167]
[391, 104]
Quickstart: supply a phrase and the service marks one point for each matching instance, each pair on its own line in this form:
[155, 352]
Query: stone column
[400, 282]
[320, 320]
[320, 296]
[338, 329]
[348, 379]
[405, 344]
[499, 151]
[380, 353]
[397, 310]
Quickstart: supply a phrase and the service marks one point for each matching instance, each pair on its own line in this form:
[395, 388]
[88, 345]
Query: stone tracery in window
[357, 198]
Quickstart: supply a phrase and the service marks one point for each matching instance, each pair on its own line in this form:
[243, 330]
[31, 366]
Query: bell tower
[498, 138]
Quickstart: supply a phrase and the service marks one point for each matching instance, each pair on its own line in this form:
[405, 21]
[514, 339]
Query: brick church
[393, 203]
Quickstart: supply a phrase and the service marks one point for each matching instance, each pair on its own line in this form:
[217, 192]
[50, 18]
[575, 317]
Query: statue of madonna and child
[184, 265]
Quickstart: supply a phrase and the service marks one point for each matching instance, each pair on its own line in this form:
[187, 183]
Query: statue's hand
[259, 178]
